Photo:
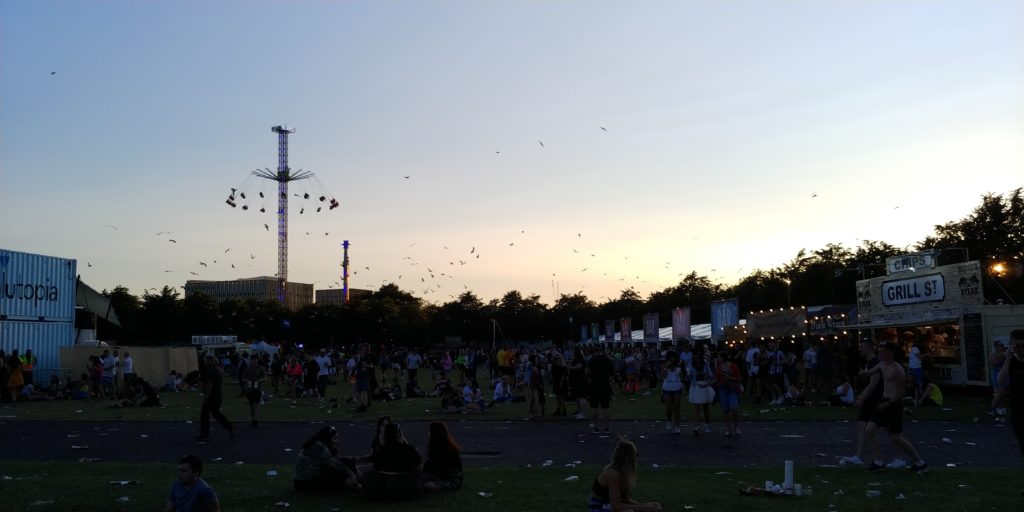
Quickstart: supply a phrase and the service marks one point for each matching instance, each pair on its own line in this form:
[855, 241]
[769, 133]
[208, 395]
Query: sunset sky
[585, 145]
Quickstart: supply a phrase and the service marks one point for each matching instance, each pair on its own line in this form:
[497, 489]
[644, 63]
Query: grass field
[84, 487]
[185, 405]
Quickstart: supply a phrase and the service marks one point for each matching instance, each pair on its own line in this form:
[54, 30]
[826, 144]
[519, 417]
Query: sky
[553, 147]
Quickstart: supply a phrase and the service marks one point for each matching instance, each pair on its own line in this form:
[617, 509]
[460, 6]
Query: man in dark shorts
[1012, 376]
[888, 414]
[869, 397]
[599, 371]
[213, 396]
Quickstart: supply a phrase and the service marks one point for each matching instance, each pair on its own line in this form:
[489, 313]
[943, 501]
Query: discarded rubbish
[239, 462]
[900, 496]
[947, 440]
[124, 499]
[217, 459]
[547, 463]
[271, 472]
[283, 504]
[79, 447]
[122, 482]
[484, 494]
[41, 503]
[951, 465]
[87, 459]
[571, 478]
[792, 436]
[873, 494]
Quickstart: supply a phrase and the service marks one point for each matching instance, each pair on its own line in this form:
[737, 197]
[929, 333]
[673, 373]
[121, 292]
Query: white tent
[262, 346]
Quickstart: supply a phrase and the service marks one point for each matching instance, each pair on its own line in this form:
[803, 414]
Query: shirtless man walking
[888, 414]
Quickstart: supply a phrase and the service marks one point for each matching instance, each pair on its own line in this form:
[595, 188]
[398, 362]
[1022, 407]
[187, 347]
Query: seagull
[203, 264]
[267, 227]
[232, 265]
[603, 129]
[90, 264]
[193, 273]
[541, 143]
[406, 177]
[471, 251]
[171, 240]
[112, 227]
[814, 194]
[226, 250]
[165, 271]
[53, 73]
[252, 256]
[511, 244]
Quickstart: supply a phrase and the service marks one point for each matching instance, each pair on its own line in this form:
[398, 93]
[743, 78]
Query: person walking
[888, 414]
[1011, 375]
[672, 392]
[996, 360]
[869, 397]
[599, 370]
[213, 396]
[28, 362]
[727, 380]
[578, 383]
[702, 392]
[253, 378]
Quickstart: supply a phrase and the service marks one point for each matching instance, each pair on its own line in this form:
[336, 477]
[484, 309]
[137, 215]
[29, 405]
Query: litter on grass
[947, 440]
[271, 472]
[79, 447]
[571, 478]
[484, 494]
[122, 482]
[283, 504]
[124, 499]
[41, 503]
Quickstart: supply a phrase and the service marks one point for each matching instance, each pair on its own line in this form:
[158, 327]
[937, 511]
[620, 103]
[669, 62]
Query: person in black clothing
[146, 392]
[1012, 375]
[443, 469]
[599, 370]
[213, 396]
[395, 465]
[869, 398]
[578, 383]
[319, 468]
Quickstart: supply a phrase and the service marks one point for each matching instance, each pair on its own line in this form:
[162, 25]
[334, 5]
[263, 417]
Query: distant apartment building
[335, 295]
[297, 295]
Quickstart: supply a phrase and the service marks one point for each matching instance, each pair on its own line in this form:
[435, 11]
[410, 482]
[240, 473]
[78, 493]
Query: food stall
[942, 310]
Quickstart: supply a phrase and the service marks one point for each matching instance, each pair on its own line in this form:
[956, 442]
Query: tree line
[992, 233]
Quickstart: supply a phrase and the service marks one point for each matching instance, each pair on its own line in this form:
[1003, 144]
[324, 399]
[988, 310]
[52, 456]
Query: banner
[681, 323]
[595, 331]
[583, 333]
[945, 292]
[651, 327]
[723, 313]
[626, 329]
[784, 322]
[609, 331]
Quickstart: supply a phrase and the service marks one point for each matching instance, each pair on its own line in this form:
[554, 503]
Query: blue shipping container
[36, 287]
[44, 338]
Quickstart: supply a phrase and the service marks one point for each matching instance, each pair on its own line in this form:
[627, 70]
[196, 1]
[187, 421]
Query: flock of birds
[425, 273]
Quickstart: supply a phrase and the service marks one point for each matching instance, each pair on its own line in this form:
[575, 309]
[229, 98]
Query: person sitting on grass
[190, 493]
[443, 469]
[794, 395]
[412, 389]
[502, 392]
[395, 467]
[439, 384]
[613, 488]
[473, 398]
[843, 395]
[451, 400]
[928, 394]
[319, 468]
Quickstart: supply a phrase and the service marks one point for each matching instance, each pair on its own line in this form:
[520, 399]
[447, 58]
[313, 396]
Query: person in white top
[914, 357]
[811, 368]
[323, 373]
[672, 391]
[502, 391]
[128, 367]
[751, 369]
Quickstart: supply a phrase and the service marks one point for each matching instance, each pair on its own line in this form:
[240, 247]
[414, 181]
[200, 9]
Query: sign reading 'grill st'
[913, 290]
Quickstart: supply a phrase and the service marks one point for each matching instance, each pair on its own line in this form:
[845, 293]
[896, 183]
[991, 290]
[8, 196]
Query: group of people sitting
[393, 470]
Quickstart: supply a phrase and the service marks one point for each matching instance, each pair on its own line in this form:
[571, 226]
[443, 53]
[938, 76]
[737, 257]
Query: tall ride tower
[283, 176]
